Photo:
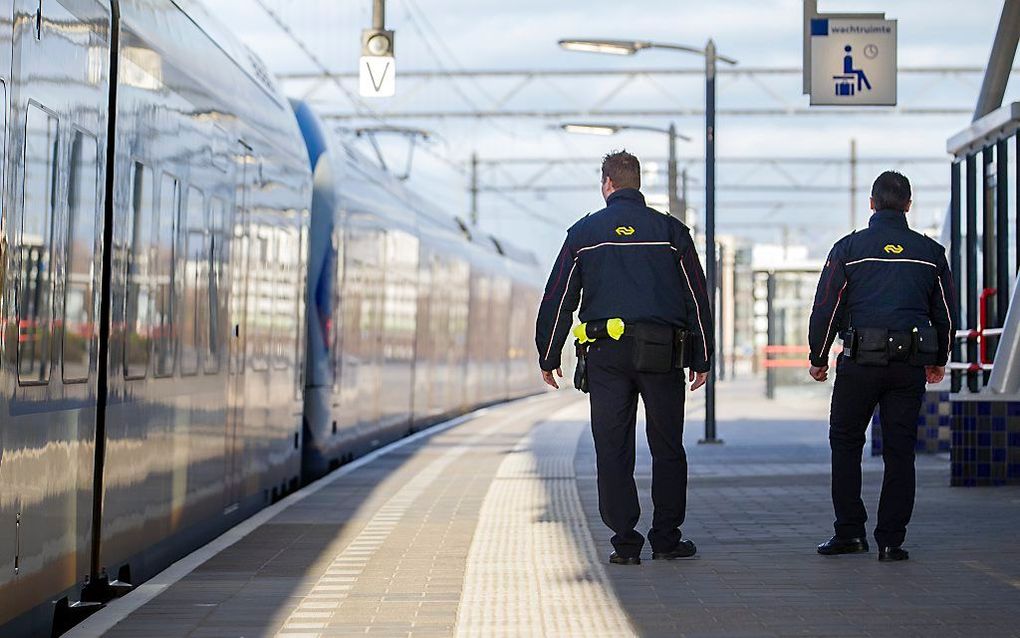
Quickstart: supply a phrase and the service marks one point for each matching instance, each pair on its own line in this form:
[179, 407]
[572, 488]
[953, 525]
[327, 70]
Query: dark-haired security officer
[637, 277]
[887, 290]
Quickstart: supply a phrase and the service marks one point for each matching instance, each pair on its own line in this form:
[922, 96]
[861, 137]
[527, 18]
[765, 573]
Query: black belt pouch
[681, 352]
[872, 347]
[654, 346]
[925, 348]
[581, 371]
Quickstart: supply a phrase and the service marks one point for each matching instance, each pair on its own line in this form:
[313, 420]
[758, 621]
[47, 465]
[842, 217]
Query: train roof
[319, 141]
[177, 46]
[232, 47]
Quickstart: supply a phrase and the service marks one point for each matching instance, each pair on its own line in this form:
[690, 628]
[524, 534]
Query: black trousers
[614, 387]
[897, 390]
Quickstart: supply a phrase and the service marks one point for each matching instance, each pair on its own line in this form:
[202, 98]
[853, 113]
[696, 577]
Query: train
[208, 299]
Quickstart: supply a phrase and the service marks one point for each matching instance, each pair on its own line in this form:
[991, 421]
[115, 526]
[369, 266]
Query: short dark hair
[623, 168]
[891, 191]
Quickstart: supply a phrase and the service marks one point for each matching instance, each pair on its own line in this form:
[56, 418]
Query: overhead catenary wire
[364, 110]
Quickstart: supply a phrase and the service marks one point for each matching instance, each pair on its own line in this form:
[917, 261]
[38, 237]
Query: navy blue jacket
[631, 262]
[886, 276]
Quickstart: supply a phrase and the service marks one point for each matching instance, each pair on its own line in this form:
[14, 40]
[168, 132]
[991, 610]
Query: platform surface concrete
[491, 528]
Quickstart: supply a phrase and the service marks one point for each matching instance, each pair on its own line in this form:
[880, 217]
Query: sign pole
[474, 189]
[377, 67]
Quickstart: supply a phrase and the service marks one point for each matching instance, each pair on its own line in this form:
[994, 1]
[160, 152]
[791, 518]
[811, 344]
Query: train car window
[138, 304]
[214, 251]
[35, 247]
[285, 328]
[195, 300]
[260, 296]
[3, 167]
[80, 299]
[164, 324]
[335, 324]
[301, 301]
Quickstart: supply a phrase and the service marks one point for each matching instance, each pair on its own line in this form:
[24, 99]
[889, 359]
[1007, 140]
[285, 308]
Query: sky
[756, 198]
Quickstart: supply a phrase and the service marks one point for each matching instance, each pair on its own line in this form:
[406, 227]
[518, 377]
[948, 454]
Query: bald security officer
[646, 313]
[887, 290]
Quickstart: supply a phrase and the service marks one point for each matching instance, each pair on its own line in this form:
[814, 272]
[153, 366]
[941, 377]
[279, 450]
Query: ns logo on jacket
[893, 249]
[625, 231]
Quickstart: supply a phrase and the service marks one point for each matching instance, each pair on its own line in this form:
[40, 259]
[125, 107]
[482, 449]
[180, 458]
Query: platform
[489, 527]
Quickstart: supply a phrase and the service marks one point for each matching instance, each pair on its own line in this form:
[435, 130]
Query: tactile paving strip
[533, 569]
[313, 613]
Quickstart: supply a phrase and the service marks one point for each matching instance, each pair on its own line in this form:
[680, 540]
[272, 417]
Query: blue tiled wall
[985, 443]
[933, 425]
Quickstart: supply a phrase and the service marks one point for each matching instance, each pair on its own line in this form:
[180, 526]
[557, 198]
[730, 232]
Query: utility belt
[880, 347]
[658, 348]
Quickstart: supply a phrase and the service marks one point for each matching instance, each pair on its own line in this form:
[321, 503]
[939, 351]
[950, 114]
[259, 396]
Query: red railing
[979, 335]
[801, 360]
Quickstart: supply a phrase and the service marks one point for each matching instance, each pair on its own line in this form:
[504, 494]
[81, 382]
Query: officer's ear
[607, 186]
[872, 200]
[907, 209]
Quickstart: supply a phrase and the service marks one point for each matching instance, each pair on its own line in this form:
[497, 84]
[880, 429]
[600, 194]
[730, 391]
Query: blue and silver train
[205, 300]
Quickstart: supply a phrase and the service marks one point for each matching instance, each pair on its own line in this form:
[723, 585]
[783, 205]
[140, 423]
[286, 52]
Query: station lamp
[612, 47]
[377, 42]
[590, 129]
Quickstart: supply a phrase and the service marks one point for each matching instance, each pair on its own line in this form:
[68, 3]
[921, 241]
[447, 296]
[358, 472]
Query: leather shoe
[683, 549]
[837, 545]
[892, 553]
[616, 559]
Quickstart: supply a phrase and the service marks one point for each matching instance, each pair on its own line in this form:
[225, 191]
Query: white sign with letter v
[377, 76]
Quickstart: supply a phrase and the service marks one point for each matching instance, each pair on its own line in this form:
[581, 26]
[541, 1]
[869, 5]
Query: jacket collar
[626, 195]
[888, 217]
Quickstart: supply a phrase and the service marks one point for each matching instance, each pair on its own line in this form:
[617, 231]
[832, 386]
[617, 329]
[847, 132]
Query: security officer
[629, 262]
[888, 289]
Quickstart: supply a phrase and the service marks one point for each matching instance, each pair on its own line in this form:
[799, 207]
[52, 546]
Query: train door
[58, 95]
[239, 260]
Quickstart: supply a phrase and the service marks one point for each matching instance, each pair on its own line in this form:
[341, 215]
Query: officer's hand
[697, 379]
[548, 377]
[819, 374]
[934, 374]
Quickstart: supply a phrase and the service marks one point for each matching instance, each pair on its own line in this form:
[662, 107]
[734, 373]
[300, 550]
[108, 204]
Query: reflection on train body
[412, 319]
[165, 247]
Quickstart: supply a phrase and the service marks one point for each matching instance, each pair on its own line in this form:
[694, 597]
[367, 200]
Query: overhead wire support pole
[683, 197]
[671, 177]
[379, 14]
[474, 189]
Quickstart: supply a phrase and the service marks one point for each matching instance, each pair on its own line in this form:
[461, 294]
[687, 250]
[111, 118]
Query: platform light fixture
[612, 47]
[590, 129]
[378, 43]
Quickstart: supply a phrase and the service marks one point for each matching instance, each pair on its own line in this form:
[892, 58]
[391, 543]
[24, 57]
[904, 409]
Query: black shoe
[616, 559]
[892, 553]
[837, 545]
[683, 549]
